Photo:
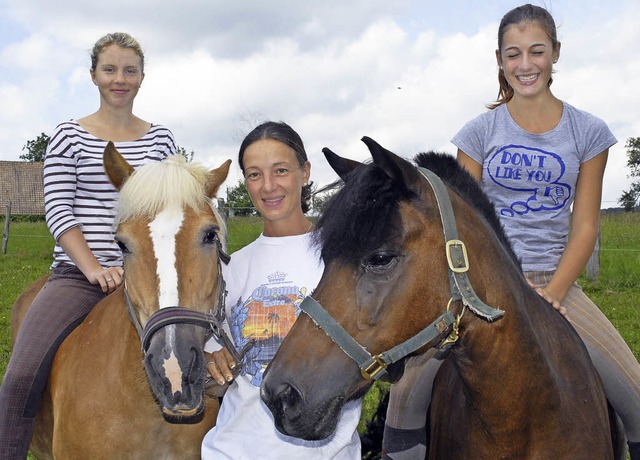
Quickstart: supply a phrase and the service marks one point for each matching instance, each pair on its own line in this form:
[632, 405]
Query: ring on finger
[109, 280]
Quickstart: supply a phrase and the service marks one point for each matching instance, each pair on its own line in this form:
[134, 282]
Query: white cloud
[408, 73]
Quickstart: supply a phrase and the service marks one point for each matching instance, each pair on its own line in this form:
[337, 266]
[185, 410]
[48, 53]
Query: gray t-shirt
[531, 178]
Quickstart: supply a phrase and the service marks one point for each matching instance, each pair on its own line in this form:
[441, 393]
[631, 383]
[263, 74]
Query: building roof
[21, 184]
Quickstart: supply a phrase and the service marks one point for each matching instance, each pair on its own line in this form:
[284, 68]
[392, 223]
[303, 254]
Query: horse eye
[122, 246]
[210, 236]
[380, 260]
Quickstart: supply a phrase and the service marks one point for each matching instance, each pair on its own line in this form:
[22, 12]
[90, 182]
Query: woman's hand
[76, 247]
[109, 278]
[221, 366]
[549, 297]
[222, 369]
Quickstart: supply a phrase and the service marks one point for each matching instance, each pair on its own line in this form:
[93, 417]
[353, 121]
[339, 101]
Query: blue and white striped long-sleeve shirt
[77, 191]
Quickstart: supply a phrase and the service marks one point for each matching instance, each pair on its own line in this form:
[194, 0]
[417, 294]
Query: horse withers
[415, 257]
[129, 381]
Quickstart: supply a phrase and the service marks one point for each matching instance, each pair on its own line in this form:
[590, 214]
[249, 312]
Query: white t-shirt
[266, 282]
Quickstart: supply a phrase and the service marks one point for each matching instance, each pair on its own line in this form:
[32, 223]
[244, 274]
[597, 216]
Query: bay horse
[129, 381]
[415, 257]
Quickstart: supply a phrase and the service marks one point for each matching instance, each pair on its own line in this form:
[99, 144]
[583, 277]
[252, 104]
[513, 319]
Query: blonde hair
[173, 183]
[123, 40]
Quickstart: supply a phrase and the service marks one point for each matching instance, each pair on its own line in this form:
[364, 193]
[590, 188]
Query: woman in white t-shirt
[266, 282]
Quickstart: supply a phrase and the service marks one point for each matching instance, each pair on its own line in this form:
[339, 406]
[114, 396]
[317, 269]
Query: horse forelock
[362, 216]
[170, 184]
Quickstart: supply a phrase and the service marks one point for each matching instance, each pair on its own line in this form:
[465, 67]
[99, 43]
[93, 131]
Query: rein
[211, 321]
[374, 367]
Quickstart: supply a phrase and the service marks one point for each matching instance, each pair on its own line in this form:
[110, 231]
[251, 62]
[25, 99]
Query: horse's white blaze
[164, 229]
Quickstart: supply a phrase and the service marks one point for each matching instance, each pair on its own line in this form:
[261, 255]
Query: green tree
[188, 156]
[239, 201]
[35, 148]
[321, 200]
[630, 198]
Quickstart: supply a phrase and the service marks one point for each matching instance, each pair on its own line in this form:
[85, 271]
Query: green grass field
[617, 291]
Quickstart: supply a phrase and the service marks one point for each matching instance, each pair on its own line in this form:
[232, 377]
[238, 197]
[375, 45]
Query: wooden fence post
[224, 212]
[5, 235]
[593, 264]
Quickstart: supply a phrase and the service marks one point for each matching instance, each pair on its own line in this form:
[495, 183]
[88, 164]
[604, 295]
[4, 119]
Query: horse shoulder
[99, 386]
[91, 384]
[100, 349]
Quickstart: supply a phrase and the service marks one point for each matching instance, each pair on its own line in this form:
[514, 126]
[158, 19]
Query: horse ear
[215, 178]
[116, 167]
[397, 168]
[342, 166]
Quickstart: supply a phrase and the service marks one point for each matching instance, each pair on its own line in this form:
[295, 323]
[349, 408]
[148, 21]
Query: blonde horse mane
[173, 183]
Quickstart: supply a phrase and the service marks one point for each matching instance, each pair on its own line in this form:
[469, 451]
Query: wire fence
[624, 244]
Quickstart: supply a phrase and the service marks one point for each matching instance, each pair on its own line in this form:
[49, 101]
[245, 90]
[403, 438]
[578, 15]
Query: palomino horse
[405, 257]
[136, 363]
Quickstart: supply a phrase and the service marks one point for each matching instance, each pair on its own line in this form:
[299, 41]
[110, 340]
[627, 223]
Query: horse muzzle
[175, 367]
[295, 415]
[183, 415]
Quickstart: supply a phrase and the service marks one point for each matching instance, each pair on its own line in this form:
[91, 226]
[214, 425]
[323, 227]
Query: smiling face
[526, 58]
[274, 180]
[118, 75]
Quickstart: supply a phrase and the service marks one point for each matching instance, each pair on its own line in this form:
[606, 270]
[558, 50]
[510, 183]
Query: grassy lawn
[616, 291]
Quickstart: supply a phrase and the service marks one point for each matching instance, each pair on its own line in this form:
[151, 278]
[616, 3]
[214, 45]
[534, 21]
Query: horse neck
[511, 359]
[501, 357]
[114, 322]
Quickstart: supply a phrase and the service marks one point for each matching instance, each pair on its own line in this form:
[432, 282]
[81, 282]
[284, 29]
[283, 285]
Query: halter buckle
[372, 370]
[457, 256]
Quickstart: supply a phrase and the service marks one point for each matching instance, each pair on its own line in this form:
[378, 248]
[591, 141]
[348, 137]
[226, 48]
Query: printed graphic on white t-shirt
[265, 317]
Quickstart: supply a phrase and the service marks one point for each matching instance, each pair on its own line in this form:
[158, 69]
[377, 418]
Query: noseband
[211, 321]
[374, 367]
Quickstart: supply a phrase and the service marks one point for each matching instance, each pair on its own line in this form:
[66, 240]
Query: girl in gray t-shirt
[541, 162]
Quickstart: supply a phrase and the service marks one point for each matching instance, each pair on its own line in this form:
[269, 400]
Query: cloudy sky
[408, 73]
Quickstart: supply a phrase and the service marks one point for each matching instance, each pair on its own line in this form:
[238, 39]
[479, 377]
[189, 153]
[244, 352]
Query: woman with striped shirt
[80, 210]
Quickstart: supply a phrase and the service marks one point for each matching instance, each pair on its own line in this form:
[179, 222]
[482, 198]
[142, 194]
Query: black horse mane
[364, 214]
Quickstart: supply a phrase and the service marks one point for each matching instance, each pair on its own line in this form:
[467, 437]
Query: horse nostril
[288, 401]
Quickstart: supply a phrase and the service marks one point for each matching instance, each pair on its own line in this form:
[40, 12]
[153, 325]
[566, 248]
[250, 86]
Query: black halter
[374, 367]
